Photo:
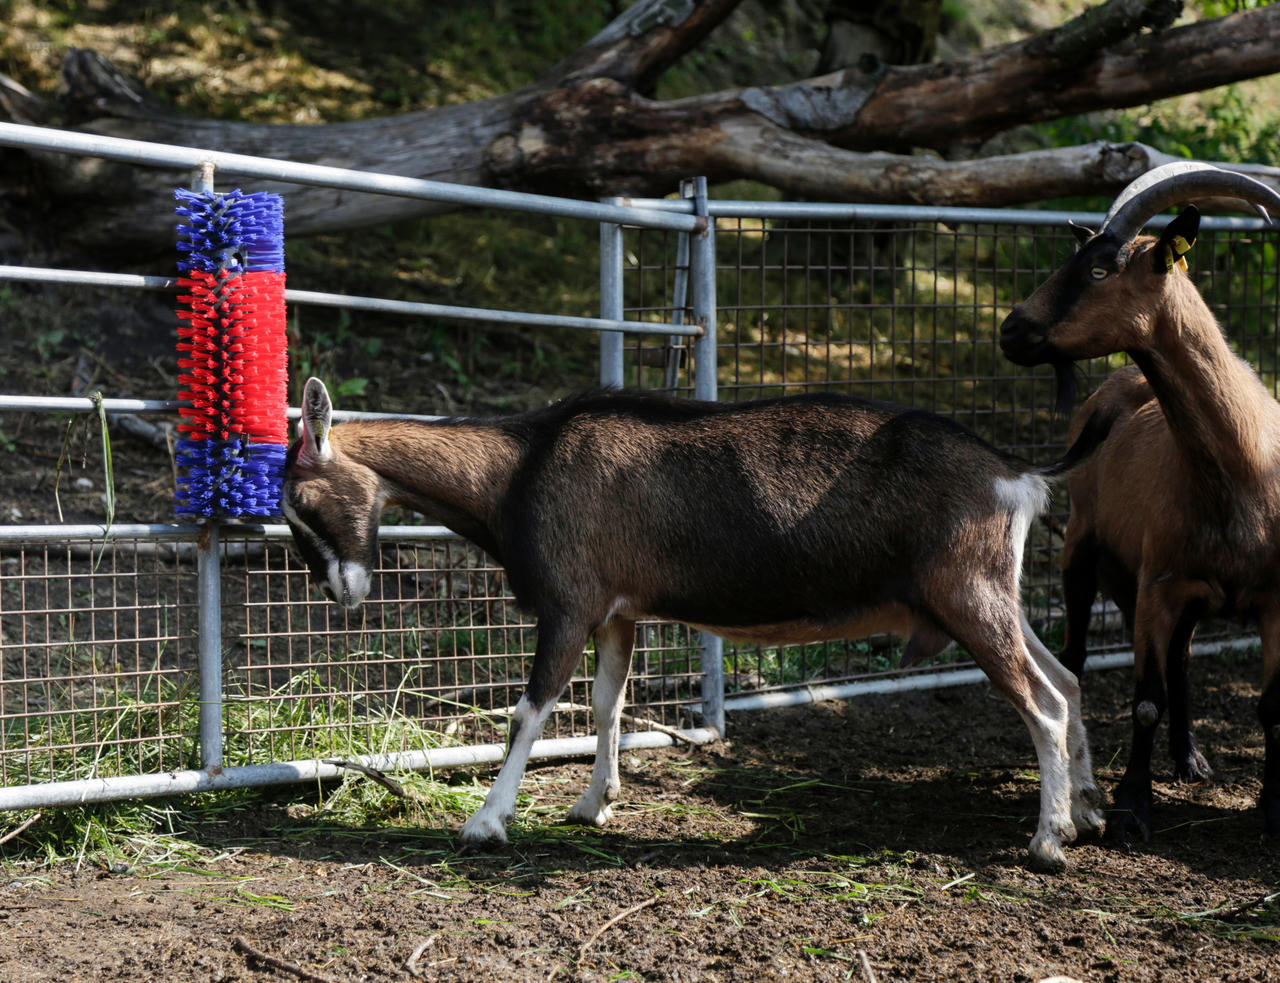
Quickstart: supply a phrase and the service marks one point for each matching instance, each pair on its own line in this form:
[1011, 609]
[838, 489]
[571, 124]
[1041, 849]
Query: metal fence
[904, 304]
[144, 660]
[140, 660]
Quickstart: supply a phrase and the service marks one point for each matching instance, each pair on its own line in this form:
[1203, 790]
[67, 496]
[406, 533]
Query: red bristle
[258, 342]
[206, 367]
[234, 345]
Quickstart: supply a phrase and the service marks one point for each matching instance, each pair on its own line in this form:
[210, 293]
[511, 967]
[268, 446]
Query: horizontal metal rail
[937, 679]
[841, 212]
[171, 531]
[292, 172]
[87, 404]
[116, 789]
[36, 274]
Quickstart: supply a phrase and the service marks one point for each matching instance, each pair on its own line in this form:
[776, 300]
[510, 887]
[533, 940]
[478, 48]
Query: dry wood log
[586, 128]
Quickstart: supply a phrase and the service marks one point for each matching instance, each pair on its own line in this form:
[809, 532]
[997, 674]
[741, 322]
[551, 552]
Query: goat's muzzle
[1024, 341]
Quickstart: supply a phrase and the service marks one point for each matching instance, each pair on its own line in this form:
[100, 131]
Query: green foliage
[1226, 124]
[313, 721]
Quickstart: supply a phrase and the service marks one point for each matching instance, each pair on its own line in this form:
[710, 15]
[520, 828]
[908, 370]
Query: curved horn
[1183, 180]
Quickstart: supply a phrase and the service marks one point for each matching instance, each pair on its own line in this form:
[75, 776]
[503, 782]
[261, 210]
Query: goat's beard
[1066, 383]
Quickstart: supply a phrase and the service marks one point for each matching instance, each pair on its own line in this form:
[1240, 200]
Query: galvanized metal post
[702, 274]
[612, 371]
[209, 628]
[679, 301]
[209, 620]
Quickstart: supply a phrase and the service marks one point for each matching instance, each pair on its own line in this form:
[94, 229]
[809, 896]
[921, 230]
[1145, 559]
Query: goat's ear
[1177, 239]
[1082, 232]
[317, 418]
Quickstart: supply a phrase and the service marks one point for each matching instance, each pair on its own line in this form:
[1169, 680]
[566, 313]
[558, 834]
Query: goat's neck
[1221, 415]
[454, 472]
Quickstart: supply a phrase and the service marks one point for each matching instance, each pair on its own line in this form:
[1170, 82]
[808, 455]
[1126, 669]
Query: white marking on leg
[1085, 794]
[1055, 827]
[1047, 718]
[489, 824]
[612, 665]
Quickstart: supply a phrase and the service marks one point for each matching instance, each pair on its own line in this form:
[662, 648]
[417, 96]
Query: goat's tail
[1096, 428]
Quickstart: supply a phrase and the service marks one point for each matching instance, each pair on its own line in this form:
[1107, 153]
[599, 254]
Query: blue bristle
[236, 232]
[233, 234]
[229, 477]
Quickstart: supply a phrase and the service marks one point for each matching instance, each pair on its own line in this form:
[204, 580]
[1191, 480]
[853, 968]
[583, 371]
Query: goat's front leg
[614, 642]
[558, 652]
[1079, 588]
[1269, 716]
[1189, 764]
[1163, 620]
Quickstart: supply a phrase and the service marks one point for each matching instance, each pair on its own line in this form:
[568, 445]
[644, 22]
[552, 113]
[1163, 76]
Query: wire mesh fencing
[908, 310]
[99, 663]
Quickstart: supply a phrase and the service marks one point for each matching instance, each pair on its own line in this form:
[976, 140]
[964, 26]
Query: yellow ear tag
[1178, 247]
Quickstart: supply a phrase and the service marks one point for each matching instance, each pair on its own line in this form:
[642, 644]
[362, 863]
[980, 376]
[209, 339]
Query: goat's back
[792, 506]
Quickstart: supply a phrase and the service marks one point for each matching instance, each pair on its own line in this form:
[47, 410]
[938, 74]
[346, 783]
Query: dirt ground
[890, 828]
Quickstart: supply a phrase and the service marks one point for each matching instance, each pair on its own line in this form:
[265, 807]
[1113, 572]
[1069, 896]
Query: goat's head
[1105, 298]
[332, 504]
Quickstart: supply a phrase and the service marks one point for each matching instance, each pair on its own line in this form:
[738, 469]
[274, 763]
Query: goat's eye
[1099, 273]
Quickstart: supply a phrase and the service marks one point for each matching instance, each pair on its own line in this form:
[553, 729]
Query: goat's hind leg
[1269, 717]
[558, 652]
[614, 642]
[998, 646]
[1086, 797]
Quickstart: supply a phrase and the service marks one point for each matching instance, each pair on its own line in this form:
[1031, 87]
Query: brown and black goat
[1177, 515]
[786, 520]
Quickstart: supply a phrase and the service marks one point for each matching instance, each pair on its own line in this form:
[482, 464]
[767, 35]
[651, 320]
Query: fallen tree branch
[286, 967]
[582, 949]
[386, 781]
[868, 974]
[16, 832]
[588, 129]
[411, 964]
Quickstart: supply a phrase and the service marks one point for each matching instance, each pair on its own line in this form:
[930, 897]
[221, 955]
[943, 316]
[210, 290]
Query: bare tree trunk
[584, 130]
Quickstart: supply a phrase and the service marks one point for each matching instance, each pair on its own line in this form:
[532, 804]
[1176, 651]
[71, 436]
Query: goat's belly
[892, 618]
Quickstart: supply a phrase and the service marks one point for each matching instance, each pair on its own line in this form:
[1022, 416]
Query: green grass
[327, 724]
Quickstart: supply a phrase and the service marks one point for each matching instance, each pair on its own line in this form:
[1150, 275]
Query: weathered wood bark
[584, 130]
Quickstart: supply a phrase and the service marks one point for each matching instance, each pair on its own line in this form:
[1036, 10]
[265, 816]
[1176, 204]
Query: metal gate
[140, 660]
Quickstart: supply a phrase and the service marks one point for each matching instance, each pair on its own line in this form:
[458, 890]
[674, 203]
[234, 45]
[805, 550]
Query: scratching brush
[232, 354]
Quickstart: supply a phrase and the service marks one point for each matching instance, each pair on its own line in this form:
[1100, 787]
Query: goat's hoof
[1125, 826]
[1089, 820]
[589, 814]
[480, 834]
[1192, 768]
[1047, 856]
[470, 847]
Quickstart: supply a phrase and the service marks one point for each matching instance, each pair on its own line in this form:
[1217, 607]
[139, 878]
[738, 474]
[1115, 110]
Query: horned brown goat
[1177, 515]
